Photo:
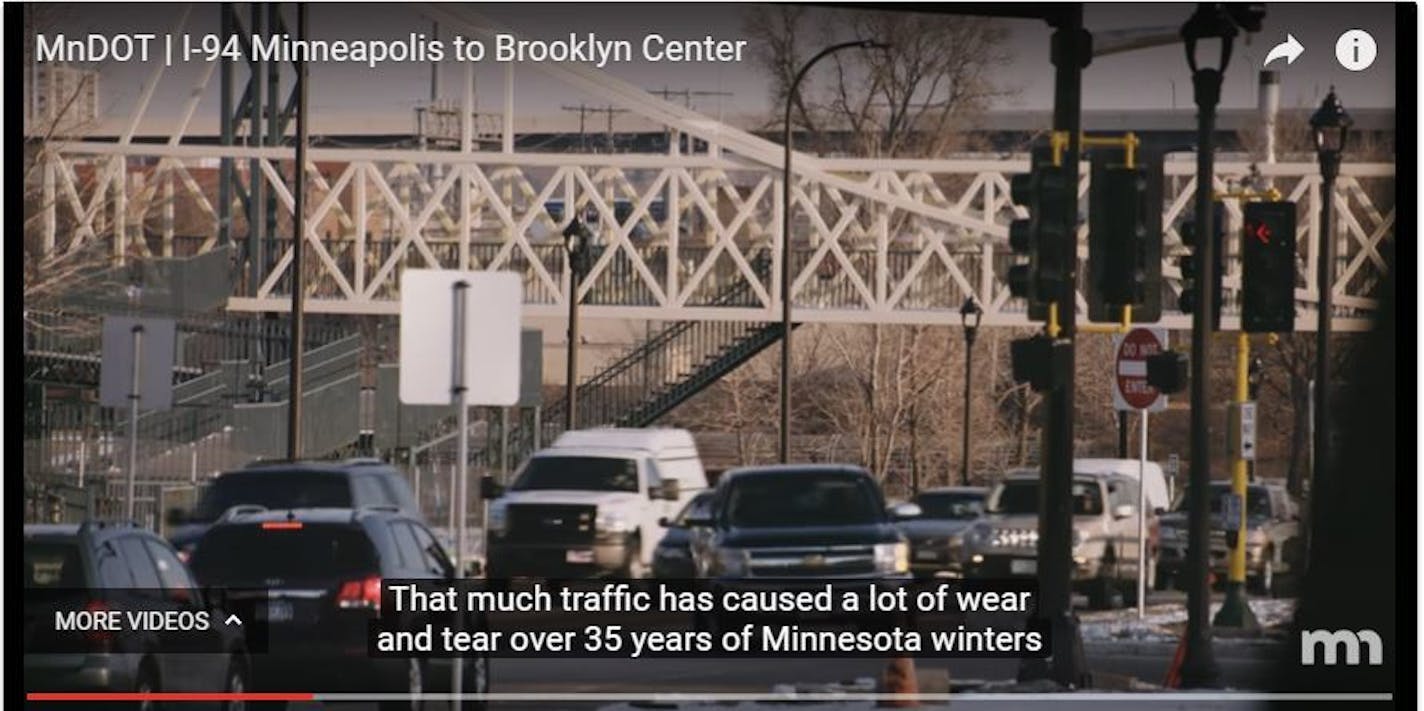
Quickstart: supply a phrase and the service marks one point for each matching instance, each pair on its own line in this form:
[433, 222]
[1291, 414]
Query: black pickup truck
[798, 521]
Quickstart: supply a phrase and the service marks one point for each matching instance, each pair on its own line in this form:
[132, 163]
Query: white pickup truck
[590, 504]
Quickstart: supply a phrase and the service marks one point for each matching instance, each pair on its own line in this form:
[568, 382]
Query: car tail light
[360, 594]
[99, 640]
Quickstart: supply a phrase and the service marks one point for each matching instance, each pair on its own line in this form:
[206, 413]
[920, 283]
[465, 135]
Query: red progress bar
[170, 696]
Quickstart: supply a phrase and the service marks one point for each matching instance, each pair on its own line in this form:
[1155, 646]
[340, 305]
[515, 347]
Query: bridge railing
[881, 234]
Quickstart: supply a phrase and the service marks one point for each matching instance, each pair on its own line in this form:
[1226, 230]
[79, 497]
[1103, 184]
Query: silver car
[1105, 548]
[936, 536]
[1274, 544]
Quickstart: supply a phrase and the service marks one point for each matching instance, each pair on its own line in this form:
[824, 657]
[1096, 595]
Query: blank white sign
[493, 301]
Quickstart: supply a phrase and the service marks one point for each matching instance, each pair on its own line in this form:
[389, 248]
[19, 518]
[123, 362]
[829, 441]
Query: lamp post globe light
[1331, 128]
[1209, 22]
[576, 245]
[969, 316]
[784, 379]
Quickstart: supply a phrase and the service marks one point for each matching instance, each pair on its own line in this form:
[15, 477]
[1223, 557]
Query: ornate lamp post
[1209, 22]
[1331, 126]
[969, 310]
[576, 245]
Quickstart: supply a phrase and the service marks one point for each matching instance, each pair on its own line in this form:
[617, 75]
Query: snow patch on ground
[1164, 623]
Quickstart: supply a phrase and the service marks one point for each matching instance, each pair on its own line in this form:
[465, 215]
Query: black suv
[314, 577]
[99, 567]
[353, 483]
[798, 521]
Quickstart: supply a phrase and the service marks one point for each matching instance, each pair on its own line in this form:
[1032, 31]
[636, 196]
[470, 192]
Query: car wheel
[476, 671]
[236, 684]
[413, 684]
[147, 684]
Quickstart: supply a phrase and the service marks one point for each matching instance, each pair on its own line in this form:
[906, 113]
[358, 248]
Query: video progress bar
[1134, 697]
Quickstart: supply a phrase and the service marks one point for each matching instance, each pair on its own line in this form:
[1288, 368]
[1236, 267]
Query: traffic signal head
[1042, 362]
[1268, 268]
[1192, 232]
[1046, 236]
[1167, 371]
[1124, 237]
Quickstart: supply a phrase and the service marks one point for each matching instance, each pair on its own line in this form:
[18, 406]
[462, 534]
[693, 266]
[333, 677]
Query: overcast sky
[1146, 79]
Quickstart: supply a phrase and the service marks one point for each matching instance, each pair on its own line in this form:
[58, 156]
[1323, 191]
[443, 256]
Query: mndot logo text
[1331, 641]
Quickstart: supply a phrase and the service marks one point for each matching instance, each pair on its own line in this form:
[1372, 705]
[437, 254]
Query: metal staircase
[651, 378]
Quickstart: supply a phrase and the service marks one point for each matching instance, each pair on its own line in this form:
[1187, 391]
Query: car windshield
[247, 553]
[293, 489]
[803, 499]
[697, 507]
[578, 474]
[952, 505]
[1020, 496]
[53, 565]
[1258, 500]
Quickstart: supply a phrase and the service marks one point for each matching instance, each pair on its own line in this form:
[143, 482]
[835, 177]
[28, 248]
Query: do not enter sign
[1130, 388]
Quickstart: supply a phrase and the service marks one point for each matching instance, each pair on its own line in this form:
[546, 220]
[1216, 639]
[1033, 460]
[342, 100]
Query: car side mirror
[175, 517]
[666, 522]
[698, 522]
[669, 490]
[490, 489]
[1123, 510]
[906, 510]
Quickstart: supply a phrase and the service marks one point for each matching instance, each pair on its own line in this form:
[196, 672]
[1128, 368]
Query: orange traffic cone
[899, 678]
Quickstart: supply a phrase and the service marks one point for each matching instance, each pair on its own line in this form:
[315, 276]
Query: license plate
[1023, 566]
[578, 556]
[926, 555]
[279, 611]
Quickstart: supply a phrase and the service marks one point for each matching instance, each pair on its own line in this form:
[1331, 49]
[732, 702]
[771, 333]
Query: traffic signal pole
[1071, 52]
[1235, 612]
[1199, 664]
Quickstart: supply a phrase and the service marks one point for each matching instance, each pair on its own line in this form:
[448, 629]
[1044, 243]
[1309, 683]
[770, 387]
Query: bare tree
[911, 100]
[67, 265]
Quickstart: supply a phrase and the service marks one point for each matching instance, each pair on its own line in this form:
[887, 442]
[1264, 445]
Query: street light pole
[971, 329]
[576, 238]
[1331, 127]
[1199, 666]
[784, 441]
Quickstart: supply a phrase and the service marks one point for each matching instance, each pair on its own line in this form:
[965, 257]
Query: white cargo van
[1155, 488]
[590, 503]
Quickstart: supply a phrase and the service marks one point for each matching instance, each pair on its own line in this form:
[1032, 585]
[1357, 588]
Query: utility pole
[584, 110]
[687, 94]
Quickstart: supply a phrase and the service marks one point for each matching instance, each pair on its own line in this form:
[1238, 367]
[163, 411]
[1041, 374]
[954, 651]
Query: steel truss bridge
[873, 241]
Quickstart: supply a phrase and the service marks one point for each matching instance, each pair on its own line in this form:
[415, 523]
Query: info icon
[1356, 50]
